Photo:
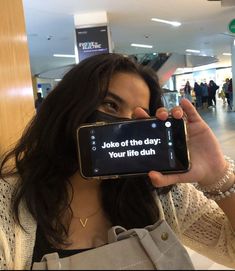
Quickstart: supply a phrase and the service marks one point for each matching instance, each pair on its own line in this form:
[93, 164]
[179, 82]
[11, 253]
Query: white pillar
[233, 71]
[92, 45]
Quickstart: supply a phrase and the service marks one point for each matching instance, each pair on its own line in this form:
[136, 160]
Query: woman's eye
[110, 106]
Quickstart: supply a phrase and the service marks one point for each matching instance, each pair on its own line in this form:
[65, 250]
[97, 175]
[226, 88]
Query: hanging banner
[92, 41]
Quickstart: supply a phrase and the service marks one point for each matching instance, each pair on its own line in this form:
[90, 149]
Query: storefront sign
[231, 26]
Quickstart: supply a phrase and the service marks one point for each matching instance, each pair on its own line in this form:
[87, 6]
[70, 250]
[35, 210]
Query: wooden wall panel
[16, 93]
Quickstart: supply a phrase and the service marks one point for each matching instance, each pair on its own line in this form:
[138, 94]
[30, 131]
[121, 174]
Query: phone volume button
[100, 123]
[114, 177]
[171, 156]
[109, 177]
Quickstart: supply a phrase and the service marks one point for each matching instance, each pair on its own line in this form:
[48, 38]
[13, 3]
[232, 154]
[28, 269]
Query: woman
[198, 94]
[230, 92]
[205, 94]
[51, 201]
[187, 91]
[212, 88]
[225, 89]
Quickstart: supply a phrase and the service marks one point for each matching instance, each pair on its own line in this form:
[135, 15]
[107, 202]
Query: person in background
[47, 91]
[230, 93]
[212, 88]
[187, 91]
[38, 101]
[221, 95]
[198, 94]
[45, 200]
[204, 94]
[225, 89]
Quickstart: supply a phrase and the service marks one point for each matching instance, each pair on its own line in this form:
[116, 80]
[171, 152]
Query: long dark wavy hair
[46, 155]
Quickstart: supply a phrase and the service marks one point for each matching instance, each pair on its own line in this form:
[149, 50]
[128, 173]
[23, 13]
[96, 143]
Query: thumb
[140, 113]
[190, 110]
[160, 180]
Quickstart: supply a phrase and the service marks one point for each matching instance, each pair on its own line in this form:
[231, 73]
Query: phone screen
[132, 147]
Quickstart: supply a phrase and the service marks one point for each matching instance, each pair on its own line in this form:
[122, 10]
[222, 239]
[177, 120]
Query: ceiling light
[61, 55]
[166, 22]
[141, 45]
[57, 80]
[192, 51]
[227, 54]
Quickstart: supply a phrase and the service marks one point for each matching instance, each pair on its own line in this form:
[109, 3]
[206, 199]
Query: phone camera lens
[168, 124]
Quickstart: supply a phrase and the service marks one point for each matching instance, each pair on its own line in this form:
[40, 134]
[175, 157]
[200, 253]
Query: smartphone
[132, 148]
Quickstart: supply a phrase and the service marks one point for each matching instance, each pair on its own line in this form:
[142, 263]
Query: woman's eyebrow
[115, 97]
[121, 101]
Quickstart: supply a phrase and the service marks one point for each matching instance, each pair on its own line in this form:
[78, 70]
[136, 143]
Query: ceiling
[50, 28]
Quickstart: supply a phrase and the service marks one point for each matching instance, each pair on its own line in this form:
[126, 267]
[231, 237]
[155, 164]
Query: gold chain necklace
[82, 221]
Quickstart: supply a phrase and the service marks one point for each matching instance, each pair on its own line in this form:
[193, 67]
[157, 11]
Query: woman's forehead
[130, 87]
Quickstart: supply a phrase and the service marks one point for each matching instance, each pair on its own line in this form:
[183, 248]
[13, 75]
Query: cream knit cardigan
[198, 222]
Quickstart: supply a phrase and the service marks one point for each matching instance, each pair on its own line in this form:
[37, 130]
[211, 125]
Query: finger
[140, 113]
[160, 180]
[177, 112]
[162, 113]
[189, 109]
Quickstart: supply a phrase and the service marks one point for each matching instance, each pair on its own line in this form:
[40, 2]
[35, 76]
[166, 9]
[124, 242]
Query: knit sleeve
[16, 242]
[200, 223]
[7, 233]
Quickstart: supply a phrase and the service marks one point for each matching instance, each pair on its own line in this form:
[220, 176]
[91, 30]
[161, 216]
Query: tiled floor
[222, 122]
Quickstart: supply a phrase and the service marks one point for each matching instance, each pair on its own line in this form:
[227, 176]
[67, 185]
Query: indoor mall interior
[189, 45]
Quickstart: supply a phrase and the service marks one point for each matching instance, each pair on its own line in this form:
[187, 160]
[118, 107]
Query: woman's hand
[207, 160]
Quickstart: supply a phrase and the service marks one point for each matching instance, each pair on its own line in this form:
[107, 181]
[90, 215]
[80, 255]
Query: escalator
[155, 61]
[165, 64]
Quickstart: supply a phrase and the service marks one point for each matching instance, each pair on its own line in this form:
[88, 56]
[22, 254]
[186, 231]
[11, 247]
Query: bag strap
[49, 262]
[149, 246]
[118, 233]
[115, 231]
